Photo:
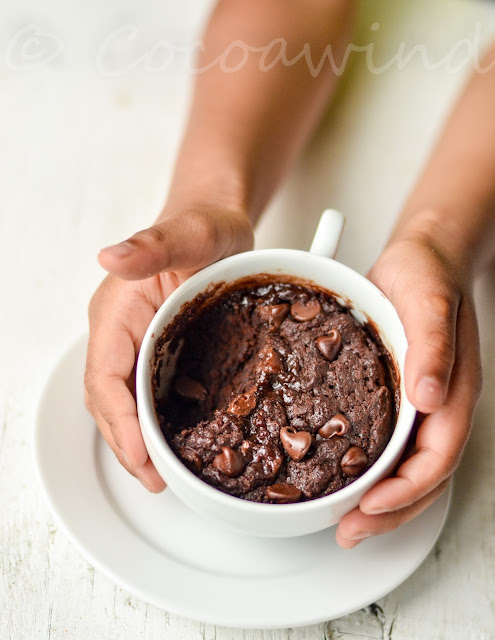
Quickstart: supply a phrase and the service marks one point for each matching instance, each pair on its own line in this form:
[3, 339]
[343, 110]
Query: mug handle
[328, 233]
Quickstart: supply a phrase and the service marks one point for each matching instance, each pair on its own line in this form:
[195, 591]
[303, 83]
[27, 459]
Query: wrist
[210, 175]
[214, 205]
[442, 234]
[212, 193]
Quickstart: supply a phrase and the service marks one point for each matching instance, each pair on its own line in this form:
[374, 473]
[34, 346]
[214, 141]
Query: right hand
[144, 271]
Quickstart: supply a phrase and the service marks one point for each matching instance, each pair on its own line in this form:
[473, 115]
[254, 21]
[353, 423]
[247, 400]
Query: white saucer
[156, 548]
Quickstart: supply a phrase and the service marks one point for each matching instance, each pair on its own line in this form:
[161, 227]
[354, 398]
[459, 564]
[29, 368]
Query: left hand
[433, 297]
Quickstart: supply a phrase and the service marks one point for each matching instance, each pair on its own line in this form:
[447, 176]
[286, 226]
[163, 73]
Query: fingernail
[429, 392]
[121, 250]
[361, 535]
[145, 485]
[375, 511]
[125, 458]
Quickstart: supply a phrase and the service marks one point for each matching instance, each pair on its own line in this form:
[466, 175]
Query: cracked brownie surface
[279, 394]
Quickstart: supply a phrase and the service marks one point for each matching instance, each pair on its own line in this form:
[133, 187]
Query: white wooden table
[90, 115]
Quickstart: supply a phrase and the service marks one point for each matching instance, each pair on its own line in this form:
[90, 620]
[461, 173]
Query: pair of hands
[432, 297]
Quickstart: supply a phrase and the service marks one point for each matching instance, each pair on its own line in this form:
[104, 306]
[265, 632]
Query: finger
[190, 240]
[442, 436]
[146, 474]
[106, 432]
[429, 320]
[110, 362]
[356, 526]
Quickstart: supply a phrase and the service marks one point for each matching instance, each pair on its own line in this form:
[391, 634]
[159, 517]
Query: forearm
[453, 203]
[247, 126]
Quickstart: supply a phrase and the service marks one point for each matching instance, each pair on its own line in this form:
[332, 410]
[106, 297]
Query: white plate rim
[185, 609]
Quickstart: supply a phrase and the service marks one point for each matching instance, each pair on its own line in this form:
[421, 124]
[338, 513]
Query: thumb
[186, 241]
[427, 301]
[430, 326]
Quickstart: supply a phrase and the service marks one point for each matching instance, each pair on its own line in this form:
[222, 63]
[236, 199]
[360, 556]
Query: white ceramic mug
[366, 303]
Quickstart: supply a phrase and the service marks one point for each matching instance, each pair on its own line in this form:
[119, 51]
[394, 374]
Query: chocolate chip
[336, 426]
[190, 389]
[274, 315]
[354, 461]
[230, 462]
[271, 362]
[305, 311]
[295, 443]
[193, 459]
[330, 345]
[243, 405]
[283, 493]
